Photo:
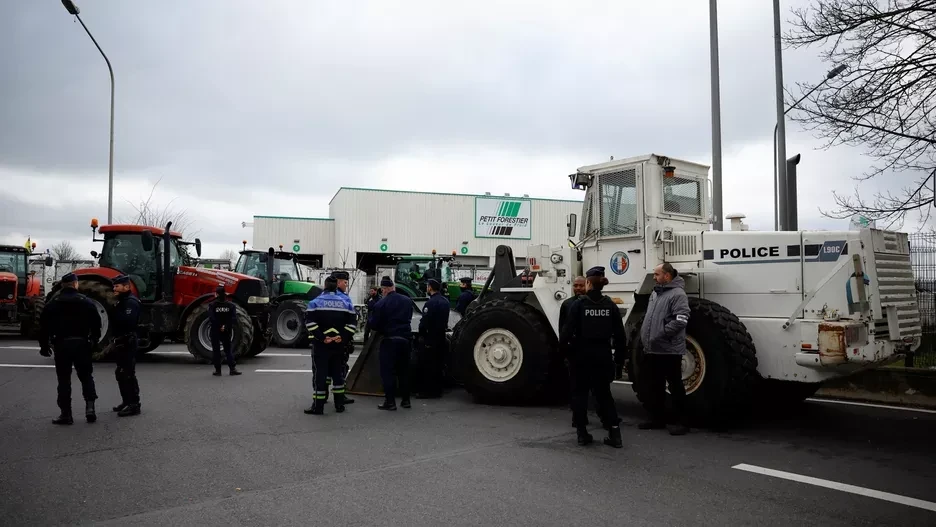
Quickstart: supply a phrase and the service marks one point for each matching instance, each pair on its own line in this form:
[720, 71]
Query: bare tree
[148, 213]
[343, 257]
[230, 255]
[884, 102]
[63, 251]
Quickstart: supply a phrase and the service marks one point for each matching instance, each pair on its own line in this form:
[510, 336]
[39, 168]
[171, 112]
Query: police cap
[69, 278]
[434, 284]
[121, 279]
[465, 280]
[596, 271]
[341, 275]
[386, 282]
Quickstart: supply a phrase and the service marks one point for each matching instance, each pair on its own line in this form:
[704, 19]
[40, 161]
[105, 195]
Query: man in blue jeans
[392, 317]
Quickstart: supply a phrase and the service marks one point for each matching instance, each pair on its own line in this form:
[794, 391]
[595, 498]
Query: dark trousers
[394, 367]
[219, 339]
[77, 353]
[328, 365]
[658, 371]
[125, 353]
[431, 358]
[592, 371]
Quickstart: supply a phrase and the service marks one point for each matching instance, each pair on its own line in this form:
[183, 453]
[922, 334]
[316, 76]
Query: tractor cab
[286, 270]
[413, 272]
[134, 251]
[14, 271]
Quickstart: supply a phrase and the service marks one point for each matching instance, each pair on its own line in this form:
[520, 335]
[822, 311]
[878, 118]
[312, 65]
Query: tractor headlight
[258, 300]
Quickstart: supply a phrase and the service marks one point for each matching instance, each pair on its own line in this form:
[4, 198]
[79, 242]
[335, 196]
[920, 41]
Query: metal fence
[923, 260]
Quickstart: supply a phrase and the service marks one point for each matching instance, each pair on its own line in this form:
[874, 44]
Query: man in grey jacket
[663, 335]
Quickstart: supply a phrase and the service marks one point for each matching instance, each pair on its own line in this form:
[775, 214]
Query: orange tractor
[22, 294]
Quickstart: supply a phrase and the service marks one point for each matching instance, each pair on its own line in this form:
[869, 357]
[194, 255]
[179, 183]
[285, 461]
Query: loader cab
[631, 209]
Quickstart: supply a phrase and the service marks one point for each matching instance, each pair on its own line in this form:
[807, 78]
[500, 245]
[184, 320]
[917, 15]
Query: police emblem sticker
[619, 263]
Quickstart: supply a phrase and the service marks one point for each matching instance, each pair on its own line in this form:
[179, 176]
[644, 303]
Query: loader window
[618, 198]
[682, 196]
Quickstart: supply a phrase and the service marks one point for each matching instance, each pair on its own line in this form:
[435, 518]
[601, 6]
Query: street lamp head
[836, 71]
[71, 7]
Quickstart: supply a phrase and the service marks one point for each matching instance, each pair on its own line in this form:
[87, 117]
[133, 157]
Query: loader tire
[198, 337]
[719, 368]
[505, 353]
[288, 323]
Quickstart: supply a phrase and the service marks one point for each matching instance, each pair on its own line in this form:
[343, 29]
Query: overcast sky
[266, 108]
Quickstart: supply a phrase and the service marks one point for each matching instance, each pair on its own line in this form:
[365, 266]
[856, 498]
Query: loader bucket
[364, 375]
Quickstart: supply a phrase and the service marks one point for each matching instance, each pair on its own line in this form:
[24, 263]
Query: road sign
[383, 247]
[464, 250]
[296, 248]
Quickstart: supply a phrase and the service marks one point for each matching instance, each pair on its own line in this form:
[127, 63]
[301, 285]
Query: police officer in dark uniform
[71, 323]
[331, 322]
[125, 321]
[466, 296]
[592, 322]
[222, 316]
[372, 299]
[432, 328]
[342, 277]
[393, 318]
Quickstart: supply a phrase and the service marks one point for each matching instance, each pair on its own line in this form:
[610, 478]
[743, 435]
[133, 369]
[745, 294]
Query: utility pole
[716, 118]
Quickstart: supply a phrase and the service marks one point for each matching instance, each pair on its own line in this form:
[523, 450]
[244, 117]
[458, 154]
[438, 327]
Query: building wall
[416, 223]
[315, 235]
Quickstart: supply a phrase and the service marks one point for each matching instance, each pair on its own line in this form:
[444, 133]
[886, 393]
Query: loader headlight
[258, 300]
[556, 258]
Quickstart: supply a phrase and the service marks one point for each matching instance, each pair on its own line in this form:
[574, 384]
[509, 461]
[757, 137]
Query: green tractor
[413, 271]
[290, 293]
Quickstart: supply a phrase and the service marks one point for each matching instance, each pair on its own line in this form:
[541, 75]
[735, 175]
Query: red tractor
[21, 292]
[174, 293]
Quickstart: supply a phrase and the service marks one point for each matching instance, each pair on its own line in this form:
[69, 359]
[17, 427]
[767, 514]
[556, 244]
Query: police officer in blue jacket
[342, 277]
[593, 321]
[125, 325]
[393, 317]
[432, 328]
[331, 322]
[222, 316]
[466, 296]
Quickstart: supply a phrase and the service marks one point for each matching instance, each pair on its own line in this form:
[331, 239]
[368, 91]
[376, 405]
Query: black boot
[317, 408]
[614, 437]
[90, 416]
[405, 403]
[584, 438]
[348, 400]
[130, 409]
[119, 407]
[678, 429]
[64, 419]
[339, 402]
[217, 372]
[234, 371]
[387, 405]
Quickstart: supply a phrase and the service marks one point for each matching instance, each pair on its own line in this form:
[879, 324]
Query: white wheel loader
[773, 314]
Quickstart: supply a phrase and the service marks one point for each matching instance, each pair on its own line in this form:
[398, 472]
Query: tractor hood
[211, 278]
[7, 277]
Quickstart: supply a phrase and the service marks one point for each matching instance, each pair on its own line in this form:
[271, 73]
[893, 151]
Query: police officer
[372, 299]
[342, 278]
[72, 324]
[222, 316]
[331, 322]
[592, 322]
[466, 296]
[126, 319]
[432, 328]
[393, 318]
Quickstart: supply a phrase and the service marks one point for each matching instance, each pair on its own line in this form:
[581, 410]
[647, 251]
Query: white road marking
[264, 354]
[622, 382]
[861, 491]
[283, 371]
[871, 405]
[27, 365]
[20, 347]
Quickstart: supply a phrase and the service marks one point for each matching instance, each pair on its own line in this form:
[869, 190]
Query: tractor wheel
[288, 323]
[719, 369]
[260, 341]
[505, 353]
[155, 339]
[198, 335]
[30, 328]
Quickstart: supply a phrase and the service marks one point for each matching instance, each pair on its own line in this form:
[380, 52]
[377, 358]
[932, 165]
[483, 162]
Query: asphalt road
[239, 451]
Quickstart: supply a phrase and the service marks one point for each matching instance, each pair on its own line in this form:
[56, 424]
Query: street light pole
[73, 10]
[716, 118]
[780, 150]
[834, 72]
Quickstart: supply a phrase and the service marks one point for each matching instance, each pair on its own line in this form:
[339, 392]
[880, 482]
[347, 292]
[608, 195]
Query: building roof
[293, 218]
[448, 194]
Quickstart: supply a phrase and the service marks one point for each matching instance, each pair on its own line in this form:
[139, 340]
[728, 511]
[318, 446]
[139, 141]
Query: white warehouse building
[366, 228]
